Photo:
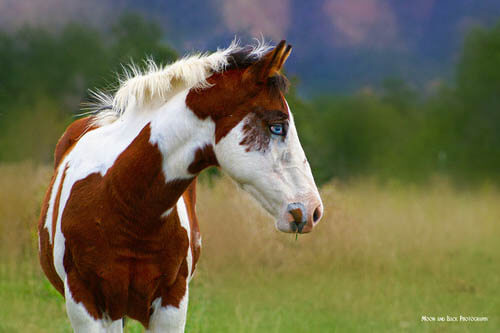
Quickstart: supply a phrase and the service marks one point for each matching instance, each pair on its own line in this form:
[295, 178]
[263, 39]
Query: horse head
[256, 142]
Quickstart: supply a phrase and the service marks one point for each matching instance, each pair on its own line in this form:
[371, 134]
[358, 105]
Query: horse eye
[277, 129]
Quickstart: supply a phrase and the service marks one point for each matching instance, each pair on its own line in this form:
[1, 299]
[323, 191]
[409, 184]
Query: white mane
[155, 85]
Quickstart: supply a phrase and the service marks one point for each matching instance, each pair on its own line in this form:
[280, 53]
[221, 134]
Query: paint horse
[118, 230]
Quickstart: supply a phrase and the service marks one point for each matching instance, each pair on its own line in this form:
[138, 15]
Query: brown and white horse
[118, 230]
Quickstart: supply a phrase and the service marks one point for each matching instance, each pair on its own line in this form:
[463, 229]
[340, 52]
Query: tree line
[391, 132]
[398, 132]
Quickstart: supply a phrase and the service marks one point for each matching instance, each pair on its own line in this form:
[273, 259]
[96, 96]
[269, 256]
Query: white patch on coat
[176, 131]
[174, 128]
[198, 240]
[276, 177]
[179, 135]
[53, 194]
[83, 322]
[169, 319]
[184, 219]
[167, 212]
[95, 152]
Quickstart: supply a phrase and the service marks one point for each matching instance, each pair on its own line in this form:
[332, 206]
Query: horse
[118, 232]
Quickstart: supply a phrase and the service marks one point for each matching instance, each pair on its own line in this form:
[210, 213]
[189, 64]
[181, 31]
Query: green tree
[45, 77]
[478, 90]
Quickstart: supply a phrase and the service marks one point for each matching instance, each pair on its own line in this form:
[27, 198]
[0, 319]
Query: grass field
[382, 257]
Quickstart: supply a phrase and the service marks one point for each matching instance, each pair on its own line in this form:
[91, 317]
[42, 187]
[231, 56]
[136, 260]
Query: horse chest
[131, 246]
[126, 270]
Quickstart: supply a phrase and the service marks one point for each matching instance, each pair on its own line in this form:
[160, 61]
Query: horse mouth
[293, 227]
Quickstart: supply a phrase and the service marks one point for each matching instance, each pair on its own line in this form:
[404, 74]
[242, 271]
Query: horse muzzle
[301, 217]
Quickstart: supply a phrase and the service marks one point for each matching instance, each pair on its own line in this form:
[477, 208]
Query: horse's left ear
[270, 64]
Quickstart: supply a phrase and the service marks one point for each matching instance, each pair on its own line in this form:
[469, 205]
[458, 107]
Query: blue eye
[277, 129]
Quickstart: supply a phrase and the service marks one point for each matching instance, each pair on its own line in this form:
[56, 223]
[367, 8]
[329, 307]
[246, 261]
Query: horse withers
[118, 231]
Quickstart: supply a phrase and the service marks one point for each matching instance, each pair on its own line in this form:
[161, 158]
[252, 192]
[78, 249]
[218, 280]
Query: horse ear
[270, 64]
[285, 56]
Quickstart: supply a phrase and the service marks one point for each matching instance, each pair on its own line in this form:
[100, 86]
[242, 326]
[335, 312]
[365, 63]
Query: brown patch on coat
[67, 141]
[257, 135]
[230, 100]
[280, 84]
[243, 58]
[263, 66]
[45, 251]
[256, 129]
[203, 158]
[120, 253]
[55, 210]
[248, 84]
[72, 134]
[189, 197]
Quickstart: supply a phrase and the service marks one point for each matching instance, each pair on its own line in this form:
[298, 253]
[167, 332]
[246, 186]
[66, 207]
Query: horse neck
[179, 134]
[154, 171]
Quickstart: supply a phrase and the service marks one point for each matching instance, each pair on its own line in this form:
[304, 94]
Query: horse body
[139, 231]
[118, 230]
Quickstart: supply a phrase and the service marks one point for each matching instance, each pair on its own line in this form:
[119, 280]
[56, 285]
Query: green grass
[329, 301]
[381, 258]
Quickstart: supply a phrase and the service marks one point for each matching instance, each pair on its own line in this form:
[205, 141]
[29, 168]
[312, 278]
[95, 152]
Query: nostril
[297, 226]
[296, 210]
[317, 214]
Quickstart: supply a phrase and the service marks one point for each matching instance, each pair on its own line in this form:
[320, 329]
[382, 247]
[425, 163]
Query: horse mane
[155, 84]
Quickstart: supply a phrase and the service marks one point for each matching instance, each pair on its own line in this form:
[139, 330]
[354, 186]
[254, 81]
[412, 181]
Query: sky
[339, 45]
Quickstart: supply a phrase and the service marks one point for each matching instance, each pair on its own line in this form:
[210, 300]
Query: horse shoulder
[72, 134]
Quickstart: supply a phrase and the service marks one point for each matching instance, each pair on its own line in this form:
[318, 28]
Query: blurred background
[397, 104]
[387, 88]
